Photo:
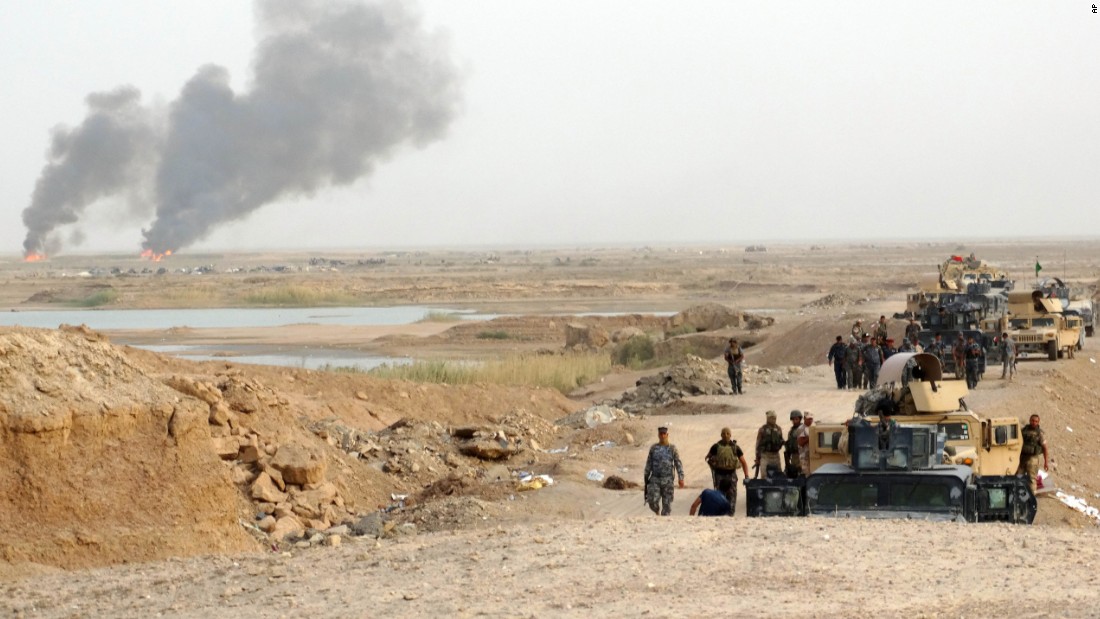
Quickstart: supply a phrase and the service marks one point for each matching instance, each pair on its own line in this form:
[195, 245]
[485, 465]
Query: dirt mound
[114, 454]
[834, 300]
[715, 316]
[101, 462]
[808, 343]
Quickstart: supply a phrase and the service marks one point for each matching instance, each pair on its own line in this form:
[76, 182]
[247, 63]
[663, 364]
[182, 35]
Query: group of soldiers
[663, 465]
[857, 363]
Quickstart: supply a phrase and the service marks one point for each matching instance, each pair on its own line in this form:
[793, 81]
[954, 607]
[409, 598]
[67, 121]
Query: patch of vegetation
[341, 369]
[437, 316]
[191, 296]
[493, 335]
[635, 353]
[295, 296]
[562, 372]
[96, 299]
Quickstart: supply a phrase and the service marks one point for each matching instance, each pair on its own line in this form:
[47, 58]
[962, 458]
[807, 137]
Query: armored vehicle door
[828, 443]
[1001, 444]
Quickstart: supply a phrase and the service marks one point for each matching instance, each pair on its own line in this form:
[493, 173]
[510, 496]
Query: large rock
[263, 489]
[300, 464]
[370, 525]
[497, 448]
[287, 525]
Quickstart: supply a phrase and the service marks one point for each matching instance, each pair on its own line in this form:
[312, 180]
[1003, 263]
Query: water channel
[220, 318]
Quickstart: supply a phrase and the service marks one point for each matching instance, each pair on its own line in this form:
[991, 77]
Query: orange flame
[34, 257]
[155, 257]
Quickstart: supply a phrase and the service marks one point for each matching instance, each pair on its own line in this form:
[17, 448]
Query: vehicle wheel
[1052, 350]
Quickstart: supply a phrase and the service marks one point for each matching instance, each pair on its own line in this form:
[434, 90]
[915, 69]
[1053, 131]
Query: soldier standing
[723, 458]
[854, 366]
[790, 447]
[836, 355]
[881, 332]
[871, 355]
[958, 354]
[1035, 443]
[735, 359]
[887, 348]
[803, 439]
[769, 440]
[857, 331]
[1008, 356]
[937, 348]
[974, 354]
[661, 467]
[912, 330]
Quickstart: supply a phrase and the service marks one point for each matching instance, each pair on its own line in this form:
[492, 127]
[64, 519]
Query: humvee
[1037, 324]
[938, 460]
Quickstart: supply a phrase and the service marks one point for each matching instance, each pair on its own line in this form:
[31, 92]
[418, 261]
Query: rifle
[756, 469]
[645, 490]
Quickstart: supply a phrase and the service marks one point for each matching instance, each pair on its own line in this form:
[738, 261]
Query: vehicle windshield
[956, 431]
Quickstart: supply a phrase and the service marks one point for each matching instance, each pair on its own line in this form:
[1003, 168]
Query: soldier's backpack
[725, 458]
[772, 440]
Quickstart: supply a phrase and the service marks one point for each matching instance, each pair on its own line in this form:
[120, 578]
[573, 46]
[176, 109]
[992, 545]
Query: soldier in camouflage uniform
[769, 440]
[974, 354]
[938, 348]
[790, 448]
[853, 366]
[881, 332]
[661, 467]
[1035, 444]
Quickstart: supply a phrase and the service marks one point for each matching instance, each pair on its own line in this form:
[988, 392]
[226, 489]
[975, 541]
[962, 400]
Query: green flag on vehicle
[1038, 267]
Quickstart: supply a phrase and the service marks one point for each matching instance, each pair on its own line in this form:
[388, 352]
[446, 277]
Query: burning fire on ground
[155, 257]
[34, 257]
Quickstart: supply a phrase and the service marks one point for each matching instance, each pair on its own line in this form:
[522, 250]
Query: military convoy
[972, 298]
[927, 456]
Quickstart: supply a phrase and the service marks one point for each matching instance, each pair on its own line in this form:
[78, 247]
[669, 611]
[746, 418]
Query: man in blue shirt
[713, 502]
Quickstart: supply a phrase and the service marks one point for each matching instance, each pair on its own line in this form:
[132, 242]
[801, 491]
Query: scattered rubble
[694, 377]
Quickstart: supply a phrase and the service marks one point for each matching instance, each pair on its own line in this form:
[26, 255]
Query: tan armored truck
[931, 458]
[1038, 325]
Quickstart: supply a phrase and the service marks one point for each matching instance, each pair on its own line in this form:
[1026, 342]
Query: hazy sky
[631, 121]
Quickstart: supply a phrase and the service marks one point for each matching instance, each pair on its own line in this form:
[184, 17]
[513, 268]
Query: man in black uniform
[837, 355]
[724, 458]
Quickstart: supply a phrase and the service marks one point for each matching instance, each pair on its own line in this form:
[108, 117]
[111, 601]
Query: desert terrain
[139, 484]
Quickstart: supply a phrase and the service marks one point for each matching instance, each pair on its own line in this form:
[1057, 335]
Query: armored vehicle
[1072, 304]
[928, 456]
[1037, 324]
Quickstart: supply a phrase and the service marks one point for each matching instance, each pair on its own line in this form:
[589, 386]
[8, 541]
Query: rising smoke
[337, 88]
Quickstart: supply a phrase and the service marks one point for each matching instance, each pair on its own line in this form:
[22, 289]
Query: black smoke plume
[337, 88]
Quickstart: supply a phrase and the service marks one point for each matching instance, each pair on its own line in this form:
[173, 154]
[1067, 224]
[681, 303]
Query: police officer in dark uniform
[872, 358]
[661, 466]
[837, 355]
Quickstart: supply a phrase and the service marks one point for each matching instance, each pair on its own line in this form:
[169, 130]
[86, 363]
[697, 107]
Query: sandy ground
[673, 567]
